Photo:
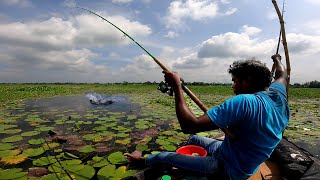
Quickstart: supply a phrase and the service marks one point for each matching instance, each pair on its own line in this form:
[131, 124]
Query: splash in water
[96, 98]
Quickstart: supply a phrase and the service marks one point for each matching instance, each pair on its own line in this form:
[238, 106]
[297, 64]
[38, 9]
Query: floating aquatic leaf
[87, 149]
[98, 162]
[6, 153]
[33, 152]
[162, 142]
[86, 173]
[56, 167]
[117, 158]
[44, 161]
[36, 141]
[6, 146]
[15, 138]
[174, 140]
[110, 172]
[10, 131]
[69, 156]
[124, 141]
[30, 133]
[169, 147]
[147, 139]
[48, 146]
[203, 134]
[13, 173]
[141, 147]
[131, 117]
[122, 135]
[13, 160]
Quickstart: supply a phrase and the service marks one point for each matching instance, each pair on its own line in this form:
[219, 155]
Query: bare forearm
[280, 70]
[185, 117]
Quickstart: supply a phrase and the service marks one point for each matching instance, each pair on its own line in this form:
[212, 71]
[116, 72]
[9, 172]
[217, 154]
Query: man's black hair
[253, 71]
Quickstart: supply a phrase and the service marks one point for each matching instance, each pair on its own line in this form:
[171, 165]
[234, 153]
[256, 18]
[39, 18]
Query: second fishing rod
[203, 107]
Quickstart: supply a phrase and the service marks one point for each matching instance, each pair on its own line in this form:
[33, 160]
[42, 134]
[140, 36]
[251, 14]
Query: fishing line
[203, 107]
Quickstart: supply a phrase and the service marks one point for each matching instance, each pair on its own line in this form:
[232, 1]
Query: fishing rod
[284, 42]
[279, 39]
[203, 107]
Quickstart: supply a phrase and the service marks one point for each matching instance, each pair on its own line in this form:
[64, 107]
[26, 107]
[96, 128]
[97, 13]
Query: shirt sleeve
[278, 87]
[229, 113]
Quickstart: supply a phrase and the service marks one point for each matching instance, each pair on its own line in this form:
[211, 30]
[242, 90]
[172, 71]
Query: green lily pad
[13, 173]
[36, 141]
[6, 146]
[169, 147]
[10, 131]
[44, 161]
[33, 152]
[30, 133]
[87, 149]
[98, 162]
[124, 141]
[48, 146]
[141, 147]
[15, 138]
[110, 172]
[6, 153]
[117, 158]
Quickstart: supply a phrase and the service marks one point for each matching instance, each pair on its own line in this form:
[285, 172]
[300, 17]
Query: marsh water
[93, 126]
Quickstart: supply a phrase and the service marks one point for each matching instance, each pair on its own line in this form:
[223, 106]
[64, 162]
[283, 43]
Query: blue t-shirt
[257, 120]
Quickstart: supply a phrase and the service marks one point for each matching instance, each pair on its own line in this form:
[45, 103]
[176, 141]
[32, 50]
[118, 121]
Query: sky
[52, 41]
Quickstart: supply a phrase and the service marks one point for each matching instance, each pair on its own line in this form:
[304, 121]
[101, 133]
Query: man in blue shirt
[256, 117]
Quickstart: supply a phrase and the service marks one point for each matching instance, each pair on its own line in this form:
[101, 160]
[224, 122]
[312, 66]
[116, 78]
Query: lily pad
[13, 173]
[15, 138]
[141, 147]
[33, 152]
[44, 161]
[98, 162]
[36, 141]
[30, 133]
[87, 149]
[110, 172]
[6, 146]
[169, 147]
[117, 158]
[6, 153]
[13, 160]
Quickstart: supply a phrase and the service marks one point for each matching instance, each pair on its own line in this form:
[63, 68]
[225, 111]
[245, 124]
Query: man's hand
[276, 57]
[172, 78]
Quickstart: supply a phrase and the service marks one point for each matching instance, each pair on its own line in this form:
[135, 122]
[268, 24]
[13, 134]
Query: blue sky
[50, 41]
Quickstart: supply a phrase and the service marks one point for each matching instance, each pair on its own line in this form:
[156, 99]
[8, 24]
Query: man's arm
[189, 123]
[280, 71]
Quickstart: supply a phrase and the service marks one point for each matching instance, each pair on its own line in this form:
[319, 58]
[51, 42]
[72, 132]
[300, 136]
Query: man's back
[257, 120]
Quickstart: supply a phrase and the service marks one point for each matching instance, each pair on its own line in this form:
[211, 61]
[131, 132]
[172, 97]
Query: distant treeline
[311, 84]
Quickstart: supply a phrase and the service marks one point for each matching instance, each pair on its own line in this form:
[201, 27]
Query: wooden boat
[288, 162]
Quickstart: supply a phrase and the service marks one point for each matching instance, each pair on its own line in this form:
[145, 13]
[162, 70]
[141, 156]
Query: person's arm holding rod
[280, 70]
[189, 123]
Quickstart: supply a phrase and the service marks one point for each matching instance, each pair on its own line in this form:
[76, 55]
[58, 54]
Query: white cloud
[314, 2]
[70, 3]
[20, 3]
[249, 30]
[57, 46]
[171, 34]
[239, 45]
[196, 10]
[230, 11]
[93, 31]
[121, 1]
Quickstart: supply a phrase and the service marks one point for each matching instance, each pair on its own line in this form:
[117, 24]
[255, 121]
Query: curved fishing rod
[279, 39]
[203, 107]
[284, 42]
